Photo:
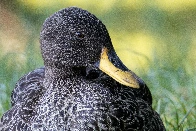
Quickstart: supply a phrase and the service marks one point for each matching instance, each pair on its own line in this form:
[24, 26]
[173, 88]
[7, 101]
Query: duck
[83, 85]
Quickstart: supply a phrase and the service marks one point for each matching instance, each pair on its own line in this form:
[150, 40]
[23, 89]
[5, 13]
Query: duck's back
[100, 104]
[24, 99]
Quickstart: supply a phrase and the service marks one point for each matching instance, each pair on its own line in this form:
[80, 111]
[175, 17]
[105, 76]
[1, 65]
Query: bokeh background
[154, 38]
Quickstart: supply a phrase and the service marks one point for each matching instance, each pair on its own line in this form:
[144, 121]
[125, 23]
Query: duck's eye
[80, 35]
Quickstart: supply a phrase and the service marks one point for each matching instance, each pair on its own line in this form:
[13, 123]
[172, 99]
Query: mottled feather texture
[69, 93]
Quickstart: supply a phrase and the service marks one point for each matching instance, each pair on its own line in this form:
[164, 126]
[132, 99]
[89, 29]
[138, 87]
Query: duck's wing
[29, 85]
[24, 99]
[132, 109]
[128, 108]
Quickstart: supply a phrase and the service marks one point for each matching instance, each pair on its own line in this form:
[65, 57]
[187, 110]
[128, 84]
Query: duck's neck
[55, 77]
[53, 73]
[65, 72]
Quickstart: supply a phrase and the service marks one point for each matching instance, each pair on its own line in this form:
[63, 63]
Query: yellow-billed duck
[83, 85]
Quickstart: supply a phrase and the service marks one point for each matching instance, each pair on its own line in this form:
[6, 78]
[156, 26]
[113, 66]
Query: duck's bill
[125, 77]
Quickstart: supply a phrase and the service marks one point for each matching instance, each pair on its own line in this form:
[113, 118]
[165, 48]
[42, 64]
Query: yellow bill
[126, 78]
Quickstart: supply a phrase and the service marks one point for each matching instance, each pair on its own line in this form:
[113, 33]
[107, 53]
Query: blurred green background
[154, 38]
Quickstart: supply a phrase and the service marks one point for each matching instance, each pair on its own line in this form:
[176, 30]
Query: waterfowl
[83, 85]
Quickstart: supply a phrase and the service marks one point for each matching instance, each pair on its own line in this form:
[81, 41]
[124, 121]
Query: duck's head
[73, 37]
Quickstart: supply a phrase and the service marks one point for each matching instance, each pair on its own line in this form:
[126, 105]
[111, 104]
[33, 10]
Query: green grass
[169, 72]
[11, 69]
[173, 92]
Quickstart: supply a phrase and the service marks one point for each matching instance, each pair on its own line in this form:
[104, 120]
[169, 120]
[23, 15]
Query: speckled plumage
[72, 94]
